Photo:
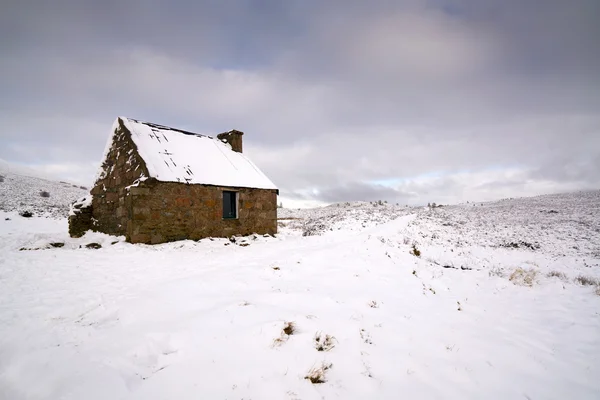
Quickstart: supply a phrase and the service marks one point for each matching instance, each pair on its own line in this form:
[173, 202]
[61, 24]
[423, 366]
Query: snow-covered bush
[523, 277]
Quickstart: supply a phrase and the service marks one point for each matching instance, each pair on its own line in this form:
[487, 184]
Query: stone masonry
[168, 211]
[111, 206]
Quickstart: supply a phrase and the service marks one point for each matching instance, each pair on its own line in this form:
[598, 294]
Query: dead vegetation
[289, 328]
[365, 336]
[523, 277]
[318, 374]
[521, 244]
[26, 214]
[324, 342]
[587, 281]
[496, 271]
[415, 251]
[557, 274]
[373, 304]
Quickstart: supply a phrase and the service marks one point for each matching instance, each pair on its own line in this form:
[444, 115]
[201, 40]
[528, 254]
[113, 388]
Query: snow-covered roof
[172, 155]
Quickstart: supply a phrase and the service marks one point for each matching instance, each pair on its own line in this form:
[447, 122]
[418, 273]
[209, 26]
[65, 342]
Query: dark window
[229, 205]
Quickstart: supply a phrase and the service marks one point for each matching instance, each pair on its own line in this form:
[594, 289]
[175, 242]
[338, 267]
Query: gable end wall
[111, 201]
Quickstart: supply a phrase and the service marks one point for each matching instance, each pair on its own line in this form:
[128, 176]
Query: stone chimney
[234, 138]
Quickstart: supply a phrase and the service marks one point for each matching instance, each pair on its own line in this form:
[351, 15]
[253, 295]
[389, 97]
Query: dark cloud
[451, 99]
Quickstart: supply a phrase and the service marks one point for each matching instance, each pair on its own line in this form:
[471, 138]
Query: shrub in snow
[415, 252]
[587, 280]
[317, 374]
[44, 193]
[323, 342]
[597, 291]
[523, 277]
[313, 227]
[557, 274]
[519, 244]
[26, 214]
[1, 179]
[289, 328]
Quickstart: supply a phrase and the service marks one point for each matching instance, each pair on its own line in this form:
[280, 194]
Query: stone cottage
[158, 184]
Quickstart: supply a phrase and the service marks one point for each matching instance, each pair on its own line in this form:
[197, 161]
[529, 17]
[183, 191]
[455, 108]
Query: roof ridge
[168, 128]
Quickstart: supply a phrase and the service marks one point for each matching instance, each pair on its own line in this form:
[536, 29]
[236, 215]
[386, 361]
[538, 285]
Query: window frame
[235, 204]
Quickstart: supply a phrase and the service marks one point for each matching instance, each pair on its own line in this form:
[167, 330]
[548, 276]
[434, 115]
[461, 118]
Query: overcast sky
[409, 101]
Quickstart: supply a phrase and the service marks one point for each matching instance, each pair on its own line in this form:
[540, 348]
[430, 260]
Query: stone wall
[169, 211]
[111, 203]
[80, 217]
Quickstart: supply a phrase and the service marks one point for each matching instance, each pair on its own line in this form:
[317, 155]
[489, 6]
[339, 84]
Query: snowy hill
[352, 301]
[346, 217]
[40, 196]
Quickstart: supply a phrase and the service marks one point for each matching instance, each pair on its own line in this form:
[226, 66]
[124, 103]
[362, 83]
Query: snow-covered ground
[41, 197]
[501, 303]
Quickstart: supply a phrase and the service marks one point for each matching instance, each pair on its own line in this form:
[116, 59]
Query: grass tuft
[557, 274]
[289, 328]
[323, 342]
[318, 374]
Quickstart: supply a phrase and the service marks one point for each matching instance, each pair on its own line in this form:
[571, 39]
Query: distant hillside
[40, 196]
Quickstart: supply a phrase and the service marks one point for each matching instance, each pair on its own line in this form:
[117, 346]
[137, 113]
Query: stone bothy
[158, 184]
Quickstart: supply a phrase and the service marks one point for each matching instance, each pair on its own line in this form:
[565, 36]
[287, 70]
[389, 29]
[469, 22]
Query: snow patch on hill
[39, 196]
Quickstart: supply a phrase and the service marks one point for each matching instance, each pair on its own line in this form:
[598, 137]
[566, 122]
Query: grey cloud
[332, 95]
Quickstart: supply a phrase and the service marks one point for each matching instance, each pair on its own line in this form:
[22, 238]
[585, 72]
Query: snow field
[206, 319]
